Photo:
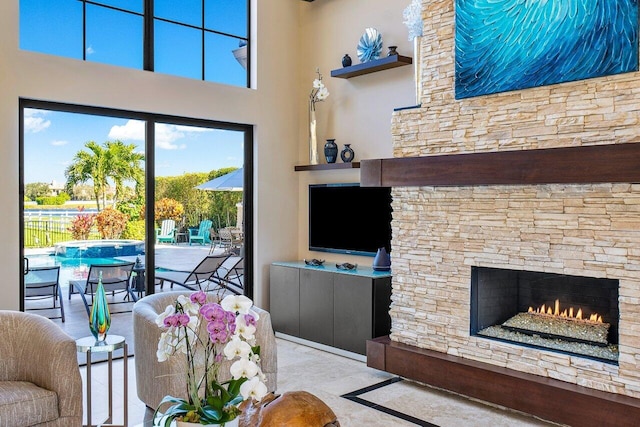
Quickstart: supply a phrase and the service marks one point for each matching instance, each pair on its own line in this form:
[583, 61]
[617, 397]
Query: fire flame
[555, 311]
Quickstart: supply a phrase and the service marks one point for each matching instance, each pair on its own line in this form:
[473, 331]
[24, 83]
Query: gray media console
[323, 304]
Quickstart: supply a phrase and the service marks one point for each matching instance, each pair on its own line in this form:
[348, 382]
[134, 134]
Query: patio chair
[195, 279]
[43, 282]
[201, 235]
[226, 238]
[167, 232]
[115, 278]
[230, 275]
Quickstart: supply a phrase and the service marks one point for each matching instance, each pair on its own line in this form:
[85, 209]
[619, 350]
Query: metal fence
[45, 232]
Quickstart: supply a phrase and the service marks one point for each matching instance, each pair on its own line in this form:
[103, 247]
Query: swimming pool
[99, 248]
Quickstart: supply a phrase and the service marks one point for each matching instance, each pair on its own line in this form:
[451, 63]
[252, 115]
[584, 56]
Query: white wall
[293, 37]
[358, 110]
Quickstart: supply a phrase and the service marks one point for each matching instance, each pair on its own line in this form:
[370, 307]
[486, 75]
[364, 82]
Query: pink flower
[249, 320]
[200, 297]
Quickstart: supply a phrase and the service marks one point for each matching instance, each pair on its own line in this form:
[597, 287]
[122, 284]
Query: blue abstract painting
[505, 45]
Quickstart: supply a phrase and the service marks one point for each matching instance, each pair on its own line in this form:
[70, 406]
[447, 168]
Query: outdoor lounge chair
[230, 275]
[167, 232]
[197, 279]
[115, 278]
[201, 235]
[43, 282]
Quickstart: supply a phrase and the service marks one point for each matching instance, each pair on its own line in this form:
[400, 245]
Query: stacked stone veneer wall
[440, 232]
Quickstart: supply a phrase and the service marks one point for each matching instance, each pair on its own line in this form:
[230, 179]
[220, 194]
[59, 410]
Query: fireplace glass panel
[504, 304]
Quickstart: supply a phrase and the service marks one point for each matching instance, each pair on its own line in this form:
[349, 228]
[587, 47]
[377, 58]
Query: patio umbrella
[232, 181]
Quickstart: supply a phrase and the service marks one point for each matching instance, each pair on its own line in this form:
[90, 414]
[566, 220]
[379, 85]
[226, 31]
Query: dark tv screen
[347, 218]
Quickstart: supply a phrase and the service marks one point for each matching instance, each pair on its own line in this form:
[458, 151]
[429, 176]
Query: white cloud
[59, 143]
[34, 122]
[90, 50]
[166, 134]
[133, 130]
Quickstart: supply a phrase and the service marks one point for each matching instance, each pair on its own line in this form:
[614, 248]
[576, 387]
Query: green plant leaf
[210, 414]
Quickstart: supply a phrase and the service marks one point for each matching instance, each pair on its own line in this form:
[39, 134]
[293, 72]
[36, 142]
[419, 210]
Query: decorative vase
[331, 151]
[382, 260]
[233, 423]
[347, 153]
[346, 60]
[313, 140]
[100, 318]
[392, 50]
[417, 68]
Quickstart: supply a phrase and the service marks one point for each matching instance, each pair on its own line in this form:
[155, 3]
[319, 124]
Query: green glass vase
[100, 318]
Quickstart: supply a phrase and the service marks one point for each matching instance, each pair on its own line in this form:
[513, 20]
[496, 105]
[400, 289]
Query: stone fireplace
[450, 224]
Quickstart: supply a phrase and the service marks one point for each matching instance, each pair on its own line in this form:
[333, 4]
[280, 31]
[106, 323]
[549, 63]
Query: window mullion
[203, 42]
[147, 44]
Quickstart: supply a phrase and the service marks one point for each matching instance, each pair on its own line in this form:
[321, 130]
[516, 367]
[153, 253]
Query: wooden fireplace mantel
[571, 165]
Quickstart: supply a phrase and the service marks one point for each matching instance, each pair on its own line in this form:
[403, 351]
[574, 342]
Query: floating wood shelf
[571, 165]
[327, 166]
[385, 63]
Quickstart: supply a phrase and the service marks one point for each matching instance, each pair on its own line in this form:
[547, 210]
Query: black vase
[347, 154]
[346, 60]
[331, 151]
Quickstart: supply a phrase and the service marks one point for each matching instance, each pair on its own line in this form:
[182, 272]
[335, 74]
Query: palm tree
[113, 160]
[89, 166]
[124, 165]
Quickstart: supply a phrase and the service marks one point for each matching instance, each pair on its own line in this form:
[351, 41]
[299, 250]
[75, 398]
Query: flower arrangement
[413, 19]
[319, 91]
[208, 333]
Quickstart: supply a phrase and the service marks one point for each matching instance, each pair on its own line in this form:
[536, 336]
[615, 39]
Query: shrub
[81, 226]
[111, 223]
[168, 209]
[134, 230]
[53, 200]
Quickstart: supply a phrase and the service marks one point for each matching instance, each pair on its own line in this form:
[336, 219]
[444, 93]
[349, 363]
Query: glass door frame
[150, 119]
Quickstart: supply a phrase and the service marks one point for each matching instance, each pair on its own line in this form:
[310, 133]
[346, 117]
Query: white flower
[237, 348]
[243, 329]
[170, 310]
[322, 94]
[189, 307]
[413, 19]
[236, 303]
[319, 91]
[246, 331]
[253, 389]
[243, 368]
[166, 346]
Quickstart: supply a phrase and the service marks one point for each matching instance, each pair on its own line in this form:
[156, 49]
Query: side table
[89, 346]
[138, 280]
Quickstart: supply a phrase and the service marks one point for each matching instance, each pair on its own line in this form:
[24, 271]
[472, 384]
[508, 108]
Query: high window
[198, 39]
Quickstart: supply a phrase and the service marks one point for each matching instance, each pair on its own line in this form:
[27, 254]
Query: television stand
[326, 305]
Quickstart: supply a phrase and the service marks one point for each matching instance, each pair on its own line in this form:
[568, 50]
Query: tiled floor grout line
[354, 397]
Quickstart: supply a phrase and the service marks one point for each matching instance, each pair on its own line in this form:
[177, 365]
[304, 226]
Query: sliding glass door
[102, 186]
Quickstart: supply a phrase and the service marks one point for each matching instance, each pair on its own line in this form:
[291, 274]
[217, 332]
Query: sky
[51, 140]
[55, 27]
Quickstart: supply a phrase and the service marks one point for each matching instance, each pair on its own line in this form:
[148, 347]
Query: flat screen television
[349, 219]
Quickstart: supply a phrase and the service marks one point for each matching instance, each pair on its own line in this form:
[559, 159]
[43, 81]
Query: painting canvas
[509, 45]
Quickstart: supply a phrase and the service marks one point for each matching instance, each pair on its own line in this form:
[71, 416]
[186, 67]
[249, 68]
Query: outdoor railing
[40, 233]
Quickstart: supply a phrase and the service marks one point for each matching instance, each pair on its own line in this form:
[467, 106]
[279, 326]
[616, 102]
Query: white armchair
[40, 382]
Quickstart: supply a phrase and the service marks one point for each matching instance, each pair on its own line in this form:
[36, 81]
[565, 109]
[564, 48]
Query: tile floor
[330, 377]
